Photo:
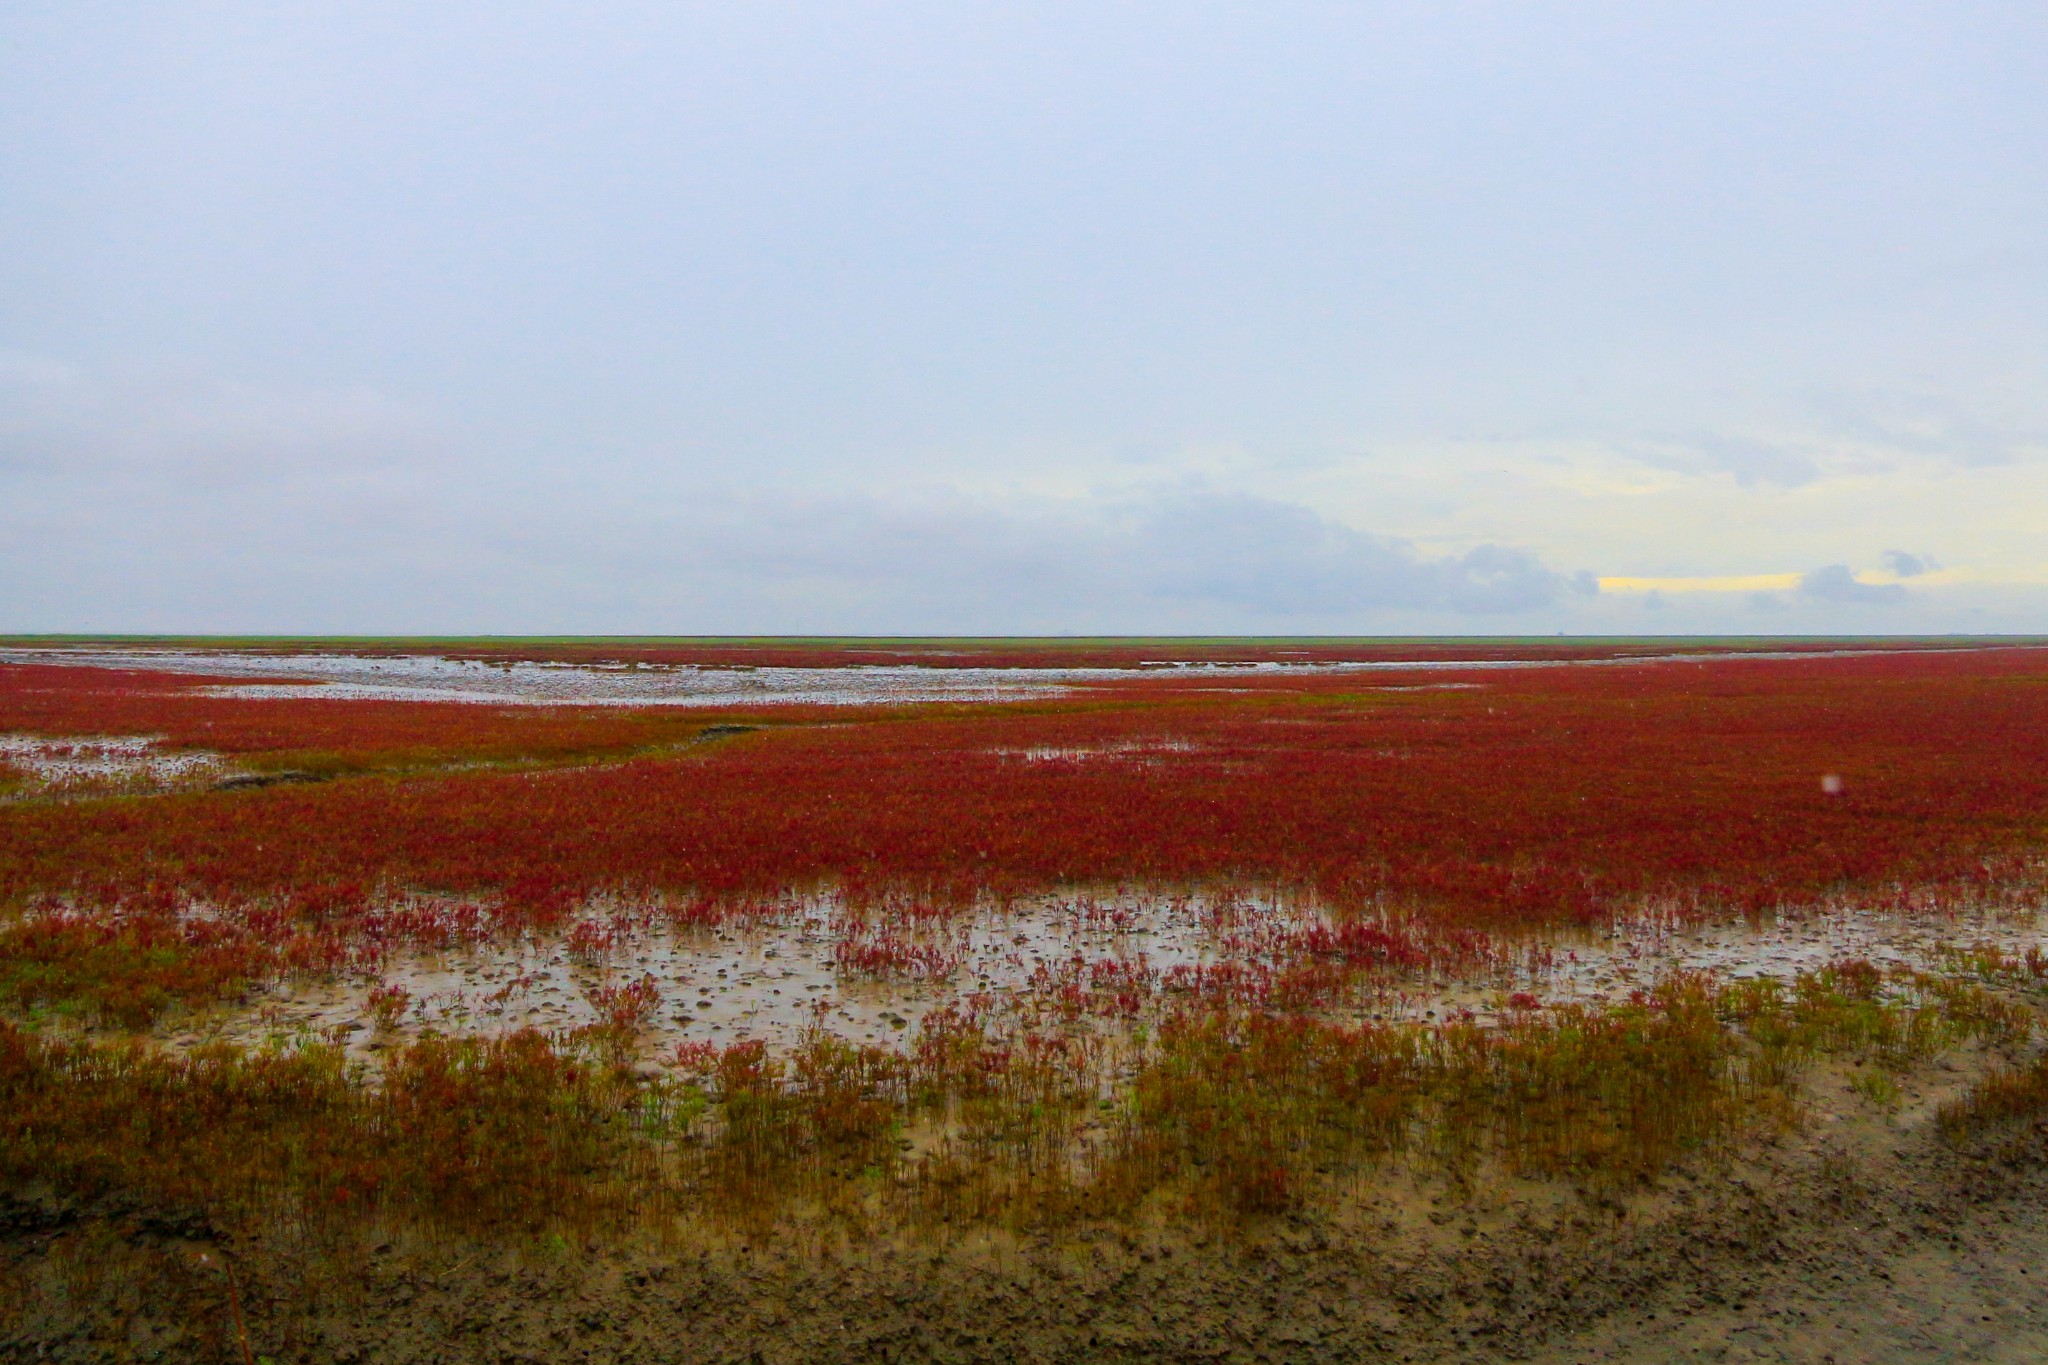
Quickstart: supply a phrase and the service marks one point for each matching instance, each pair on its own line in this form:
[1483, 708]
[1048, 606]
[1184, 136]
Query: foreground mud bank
[1878, 1244]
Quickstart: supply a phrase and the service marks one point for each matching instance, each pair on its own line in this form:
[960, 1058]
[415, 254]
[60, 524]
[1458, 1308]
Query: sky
[613, 317]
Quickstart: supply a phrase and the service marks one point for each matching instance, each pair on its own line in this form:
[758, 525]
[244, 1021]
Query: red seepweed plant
[1544, 796]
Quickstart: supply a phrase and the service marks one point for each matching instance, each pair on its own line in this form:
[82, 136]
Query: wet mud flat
[1855, 1237]
[778, 979]
[771, 980]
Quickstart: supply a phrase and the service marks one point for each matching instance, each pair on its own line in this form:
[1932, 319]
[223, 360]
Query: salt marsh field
[400, 977]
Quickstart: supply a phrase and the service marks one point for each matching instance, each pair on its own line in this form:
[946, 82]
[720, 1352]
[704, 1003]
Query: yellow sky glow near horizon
[1755, 582]
[1785, 582]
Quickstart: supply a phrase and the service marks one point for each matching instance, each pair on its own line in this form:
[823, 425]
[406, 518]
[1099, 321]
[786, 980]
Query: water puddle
[424, 677]
[428, 677]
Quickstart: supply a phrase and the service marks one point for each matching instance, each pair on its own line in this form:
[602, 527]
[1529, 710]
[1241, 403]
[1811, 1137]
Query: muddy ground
[1860, 1236]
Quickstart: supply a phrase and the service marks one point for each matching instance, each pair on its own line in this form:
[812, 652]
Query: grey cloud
[1282, 558]
[1908, 565]
[1166, 554]
[193, 503]
[1933, 427]
[1835, 584]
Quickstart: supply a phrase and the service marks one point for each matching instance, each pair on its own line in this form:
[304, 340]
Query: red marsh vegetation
[1419, 820]
[1531, 797]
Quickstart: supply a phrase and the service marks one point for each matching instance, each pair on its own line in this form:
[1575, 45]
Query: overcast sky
[978, 317]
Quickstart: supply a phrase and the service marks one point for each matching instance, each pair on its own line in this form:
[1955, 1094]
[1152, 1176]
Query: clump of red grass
[2006, 1096]
[387, 1004]
[126, 971]
[884, 955]
[627, 1007]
